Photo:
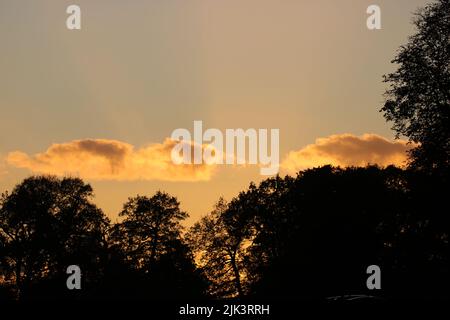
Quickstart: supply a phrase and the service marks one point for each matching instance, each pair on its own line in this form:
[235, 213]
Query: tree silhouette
[149, 251]
[309, 236]
[47, 224]
[271, 222]
[149, 227]
[219, 247]
[418, 100]
[330, 234]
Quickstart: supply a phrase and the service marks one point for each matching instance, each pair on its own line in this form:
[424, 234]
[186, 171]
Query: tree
[272, 221]
[149, 227]
[218, 240]
[314, 235]
[46, 224]
[418, 100]
[149, 252]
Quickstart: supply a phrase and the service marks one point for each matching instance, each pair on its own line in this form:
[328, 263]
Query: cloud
[348, 150]
[102, 159]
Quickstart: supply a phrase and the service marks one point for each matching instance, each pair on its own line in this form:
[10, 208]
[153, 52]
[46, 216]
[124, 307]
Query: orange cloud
[101, 159]
[348, 150]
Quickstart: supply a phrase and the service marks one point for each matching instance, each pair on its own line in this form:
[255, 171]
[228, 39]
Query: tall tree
[149, 227]
[46, 224]
[219, 241]
[149, 250]
[418, 100]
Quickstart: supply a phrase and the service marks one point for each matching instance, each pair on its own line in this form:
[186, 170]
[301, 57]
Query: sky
[101, 102]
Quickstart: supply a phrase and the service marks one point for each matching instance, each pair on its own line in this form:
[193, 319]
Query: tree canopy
[418, 99]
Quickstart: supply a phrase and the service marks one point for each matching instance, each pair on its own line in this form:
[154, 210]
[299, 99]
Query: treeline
[309, 236]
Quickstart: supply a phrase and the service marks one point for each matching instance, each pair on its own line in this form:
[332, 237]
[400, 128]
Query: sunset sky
[100, 102]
